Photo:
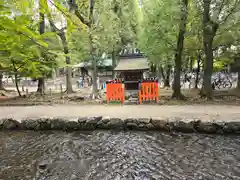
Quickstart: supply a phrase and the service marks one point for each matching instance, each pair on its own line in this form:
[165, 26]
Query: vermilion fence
[115, 91]
[148, 91]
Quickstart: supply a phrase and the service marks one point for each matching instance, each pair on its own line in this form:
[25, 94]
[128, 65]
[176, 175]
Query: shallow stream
[107, 155]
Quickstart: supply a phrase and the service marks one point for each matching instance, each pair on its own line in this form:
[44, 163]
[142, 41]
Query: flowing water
[106, 155]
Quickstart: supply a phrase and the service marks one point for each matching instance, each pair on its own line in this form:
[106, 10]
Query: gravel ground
[203, 112]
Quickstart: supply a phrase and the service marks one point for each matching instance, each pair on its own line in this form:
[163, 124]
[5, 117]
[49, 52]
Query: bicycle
[222, 83]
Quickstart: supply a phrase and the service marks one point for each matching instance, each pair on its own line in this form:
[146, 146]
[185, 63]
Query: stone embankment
[91, 123]
[187, 119]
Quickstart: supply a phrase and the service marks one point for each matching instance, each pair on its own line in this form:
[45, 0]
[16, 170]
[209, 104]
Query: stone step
[131, 101]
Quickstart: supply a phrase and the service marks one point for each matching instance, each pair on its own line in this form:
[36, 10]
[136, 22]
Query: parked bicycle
[222, 83]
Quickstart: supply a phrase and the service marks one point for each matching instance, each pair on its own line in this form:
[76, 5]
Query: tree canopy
[38, 36]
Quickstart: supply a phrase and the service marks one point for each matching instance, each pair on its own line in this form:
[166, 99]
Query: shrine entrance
[130, 69]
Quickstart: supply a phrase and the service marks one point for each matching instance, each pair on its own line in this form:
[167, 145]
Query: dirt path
[208, 112]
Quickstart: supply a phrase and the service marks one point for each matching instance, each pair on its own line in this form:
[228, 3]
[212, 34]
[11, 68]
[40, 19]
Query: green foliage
[23, 50]
[193, 39]
[78, 45]
[113, 27]
[159, 27]
[117, 25]
[220, 64]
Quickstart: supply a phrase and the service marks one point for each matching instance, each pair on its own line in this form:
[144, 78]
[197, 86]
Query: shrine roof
[130, 64]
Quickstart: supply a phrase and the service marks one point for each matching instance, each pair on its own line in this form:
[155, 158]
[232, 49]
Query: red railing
[115, 91]
[148, 91]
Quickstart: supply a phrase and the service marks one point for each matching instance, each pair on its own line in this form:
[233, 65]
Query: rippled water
[101, 155]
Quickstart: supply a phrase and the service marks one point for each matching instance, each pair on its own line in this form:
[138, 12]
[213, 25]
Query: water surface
[106, 155]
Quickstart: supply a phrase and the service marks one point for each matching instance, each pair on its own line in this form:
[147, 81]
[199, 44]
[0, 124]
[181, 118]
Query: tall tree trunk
[69, 88]
[16, 84]
[166, 78]
[92, 52]
[41, 86]
[238, 82]
[94, 68]
[208, 66]
[198, 70]
[191, 64]
[209, 32]
[94, 78]
[176, 84]
[41, 82]
[62, 35]
[57, 71]
[186, 60]
[161, 73]
[158, 73]
[167, 82]
[178, 55]
[1, 81]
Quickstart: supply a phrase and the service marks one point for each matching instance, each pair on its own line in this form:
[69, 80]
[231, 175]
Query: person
[80, 82]
[220, 77]
[187, 77]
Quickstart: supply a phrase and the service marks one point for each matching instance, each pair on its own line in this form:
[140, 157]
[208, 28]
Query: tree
[103, 26]
[157, 34]
[215, 14]
[126, 20]
[178, 55]
[193, 47]
[158, 38]
[62, 35]
[90, 22]
[166, 76]
[1, 81]
[21, 54]
[41, 86]
[21, 47]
